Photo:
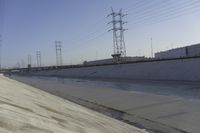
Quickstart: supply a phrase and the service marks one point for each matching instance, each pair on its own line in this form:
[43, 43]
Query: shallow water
[181, 89]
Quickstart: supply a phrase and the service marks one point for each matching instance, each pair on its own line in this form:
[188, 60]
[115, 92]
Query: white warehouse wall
[192, 50]
[173, 53]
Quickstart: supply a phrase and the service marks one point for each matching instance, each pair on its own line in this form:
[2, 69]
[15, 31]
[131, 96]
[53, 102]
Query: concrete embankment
[25, 109]
[178, 70]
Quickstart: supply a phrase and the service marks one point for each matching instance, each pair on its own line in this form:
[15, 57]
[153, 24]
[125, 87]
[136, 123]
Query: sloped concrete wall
[25, 109]
[181, 70]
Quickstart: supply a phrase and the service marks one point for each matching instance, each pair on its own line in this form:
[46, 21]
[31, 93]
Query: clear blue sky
[30, 25]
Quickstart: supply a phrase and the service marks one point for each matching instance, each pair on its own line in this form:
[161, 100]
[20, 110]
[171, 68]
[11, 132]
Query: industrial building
[188, 51]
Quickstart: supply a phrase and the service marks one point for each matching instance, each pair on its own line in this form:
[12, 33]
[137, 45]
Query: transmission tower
[119, 49]
[38, 56]
[58, 53]
[29, 61]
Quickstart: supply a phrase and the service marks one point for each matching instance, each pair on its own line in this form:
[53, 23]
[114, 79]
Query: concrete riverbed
[162, 107]
[25, 109]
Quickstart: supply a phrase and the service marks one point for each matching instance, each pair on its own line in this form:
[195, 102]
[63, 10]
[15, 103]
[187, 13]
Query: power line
[91, 34]
[171, 11]
[139, 4]
[85, 42]
[168, 16]
[168, 13]
[161, 6]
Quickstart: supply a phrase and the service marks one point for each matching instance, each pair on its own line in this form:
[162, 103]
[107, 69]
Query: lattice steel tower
[58, 53]
[119, 49]
[38, 56]
[29, 60]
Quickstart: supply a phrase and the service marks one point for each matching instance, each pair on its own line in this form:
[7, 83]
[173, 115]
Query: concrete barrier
[180, 70]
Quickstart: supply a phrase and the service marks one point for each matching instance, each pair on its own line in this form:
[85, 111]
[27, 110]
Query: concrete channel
[155, 111]
[25, 109]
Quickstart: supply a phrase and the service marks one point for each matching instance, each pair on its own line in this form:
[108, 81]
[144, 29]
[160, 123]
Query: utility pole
[119, 49]
[58, 53]
[38, 57]
[151, 48]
